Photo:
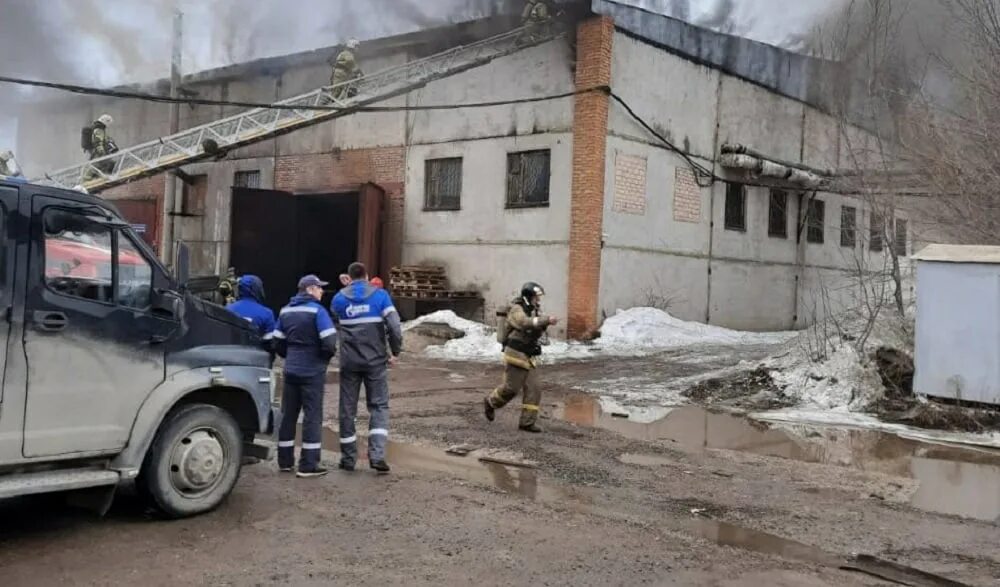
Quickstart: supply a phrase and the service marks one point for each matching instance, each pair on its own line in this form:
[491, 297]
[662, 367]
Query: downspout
[711, 199]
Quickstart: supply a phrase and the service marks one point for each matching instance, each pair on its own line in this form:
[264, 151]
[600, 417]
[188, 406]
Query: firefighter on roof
[520, 332]
[346, 69]
[535, 12]
[8, 165]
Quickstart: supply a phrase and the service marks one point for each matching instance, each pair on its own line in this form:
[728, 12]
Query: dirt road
[611, 502]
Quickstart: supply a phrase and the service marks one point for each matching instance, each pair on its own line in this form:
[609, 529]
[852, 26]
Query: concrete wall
[653, 256]
[485, 246]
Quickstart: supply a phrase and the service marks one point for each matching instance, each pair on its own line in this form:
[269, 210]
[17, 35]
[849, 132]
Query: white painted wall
[486, 246]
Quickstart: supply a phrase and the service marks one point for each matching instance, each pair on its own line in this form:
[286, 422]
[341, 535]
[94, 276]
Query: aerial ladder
[211, 140]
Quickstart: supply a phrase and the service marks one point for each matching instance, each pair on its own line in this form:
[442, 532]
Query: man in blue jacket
[365, 315]
[250, 305]
[306, 338]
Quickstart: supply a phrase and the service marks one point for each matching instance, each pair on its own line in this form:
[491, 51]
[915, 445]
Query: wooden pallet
[435, 294]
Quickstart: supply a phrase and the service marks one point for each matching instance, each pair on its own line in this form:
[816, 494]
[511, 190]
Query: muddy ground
[611, 502]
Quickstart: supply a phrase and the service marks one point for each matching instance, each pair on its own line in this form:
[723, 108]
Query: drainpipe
[170, 199]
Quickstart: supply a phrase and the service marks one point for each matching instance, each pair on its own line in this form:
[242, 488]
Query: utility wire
[699, 169]
[127, 95]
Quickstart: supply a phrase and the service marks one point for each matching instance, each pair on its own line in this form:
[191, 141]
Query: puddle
[509, 479]
[953, 480]
[644, 460]
[527, 483]
[725, 534]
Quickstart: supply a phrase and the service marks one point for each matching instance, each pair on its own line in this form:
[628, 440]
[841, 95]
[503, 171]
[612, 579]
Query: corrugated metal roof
[959, 254]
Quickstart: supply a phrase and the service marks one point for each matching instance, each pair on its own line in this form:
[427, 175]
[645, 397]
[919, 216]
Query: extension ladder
[252, 126]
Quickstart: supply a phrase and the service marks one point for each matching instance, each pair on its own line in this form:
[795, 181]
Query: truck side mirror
[182, 265]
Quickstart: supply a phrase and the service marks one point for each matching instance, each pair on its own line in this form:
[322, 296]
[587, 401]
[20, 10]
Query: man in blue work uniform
[250, 306]
[365, 315]
[306, 338]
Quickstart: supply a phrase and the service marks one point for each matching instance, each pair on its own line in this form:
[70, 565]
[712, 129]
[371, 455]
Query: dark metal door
[369, 227]
[265, 242]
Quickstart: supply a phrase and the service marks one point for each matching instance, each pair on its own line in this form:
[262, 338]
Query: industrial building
[601, 194]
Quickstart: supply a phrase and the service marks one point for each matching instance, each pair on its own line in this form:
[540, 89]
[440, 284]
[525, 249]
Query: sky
[111, 42]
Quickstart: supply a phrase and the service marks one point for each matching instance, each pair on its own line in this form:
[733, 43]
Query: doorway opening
[280, 237]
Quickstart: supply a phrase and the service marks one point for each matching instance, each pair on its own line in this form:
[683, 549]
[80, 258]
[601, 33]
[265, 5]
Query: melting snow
[634, 332]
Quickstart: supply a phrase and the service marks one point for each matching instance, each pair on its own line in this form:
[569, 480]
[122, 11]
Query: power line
[142, 96]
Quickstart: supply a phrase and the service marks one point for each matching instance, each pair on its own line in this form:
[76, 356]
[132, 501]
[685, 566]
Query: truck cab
[112, 370]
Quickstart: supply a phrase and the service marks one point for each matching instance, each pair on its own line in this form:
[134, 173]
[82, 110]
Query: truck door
[93, 347]
[8, 215]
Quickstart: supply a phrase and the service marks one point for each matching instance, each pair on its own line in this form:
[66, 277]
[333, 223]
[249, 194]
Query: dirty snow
[635, 332]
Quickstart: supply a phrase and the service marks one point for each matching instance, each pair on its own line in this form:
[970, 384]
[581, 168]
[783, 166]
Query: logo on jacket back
[353, 311]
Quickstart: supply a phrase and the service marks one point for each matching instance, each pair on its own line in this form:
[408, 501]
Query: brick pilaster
[590, 136]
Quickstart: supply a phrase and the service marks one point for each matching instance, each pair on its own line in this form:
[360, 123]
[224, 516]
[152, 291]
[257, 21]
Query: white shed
[958, 323]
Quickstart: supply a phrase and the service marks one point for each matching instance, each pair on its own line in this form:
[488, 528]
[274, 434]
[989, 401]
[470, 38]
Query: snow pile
[634, 332]
[643, 329]
[479, 342]
[843, 380]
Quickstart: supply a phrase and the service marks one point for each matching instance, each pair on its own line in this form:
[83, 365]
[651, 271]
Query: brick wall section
[345, 170]
[150, 188]
[630, 184]
[590, 135]
[687, 196]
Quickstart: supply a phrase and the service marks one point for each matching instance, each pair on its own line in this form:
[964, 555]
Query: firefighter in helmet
[536, 12]
[521, 333]
[8, 165]
[100, 144]
[345, 70]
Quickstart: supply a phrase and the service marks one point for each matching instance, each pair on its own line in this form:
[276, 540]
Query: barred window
[848, 226]
[815, 216]
[777, 214]
[247, 179]
[736, 207]
[528, 178]
[443, 184]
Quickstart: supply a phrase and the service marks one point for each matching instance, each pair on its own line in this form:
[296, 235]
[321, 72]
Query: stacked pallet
[422, 283]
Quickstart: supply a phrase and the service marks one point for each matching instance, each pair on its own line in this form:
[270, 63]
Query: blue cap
[311, 280]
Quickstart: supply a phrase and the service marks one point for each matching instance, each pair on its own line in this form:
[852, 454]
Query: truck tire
[194, 461]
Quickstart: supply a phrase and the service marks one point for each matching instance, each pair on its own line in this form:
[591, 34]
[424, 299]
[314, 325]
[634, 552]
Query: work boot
[489, 410]
[349, 467]
[319, 471]
[533, 428]
[380, 466]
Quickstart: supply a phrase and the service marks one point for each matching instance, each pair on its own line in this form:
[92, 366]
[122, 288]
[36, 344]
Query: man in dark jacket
[306, 338]
[250, 305]
[365, 315]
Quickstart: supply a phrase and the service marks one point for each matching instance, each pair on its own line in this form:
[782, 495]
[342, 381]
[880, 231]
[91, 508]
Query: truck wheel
[194, 461]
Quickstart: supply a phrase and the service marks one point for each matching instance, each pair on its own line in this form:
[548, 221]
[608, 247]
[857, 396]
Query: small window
[77, 256]
[848, 226]
[876, 232]
[443, 184]
[135, 276]
[528, 179]
[247, 179]
[901, 237]
[736, 207]
[777, 214]
[815, 215]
